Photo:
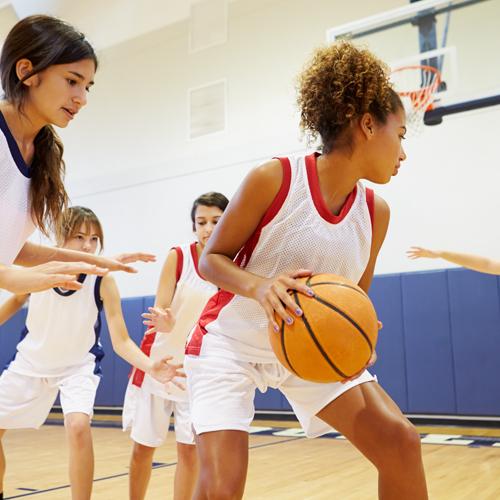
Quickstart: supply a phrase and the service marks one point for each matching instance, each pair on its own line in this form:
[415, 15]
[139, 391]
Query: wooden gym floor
[461, 463]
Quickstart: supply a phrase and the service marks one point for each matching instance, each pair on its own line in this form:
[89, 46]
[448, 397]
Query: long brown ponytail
[45, 41]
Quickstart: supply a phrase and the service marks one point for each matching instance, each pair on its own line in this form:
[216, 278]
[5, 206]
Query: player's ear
[367, 125]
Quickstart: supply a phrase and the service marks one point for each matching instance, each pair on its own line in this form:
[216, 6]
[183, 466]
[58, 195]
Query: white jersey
[62, 332]
[191, 295]
[297, 231]
[16, 223]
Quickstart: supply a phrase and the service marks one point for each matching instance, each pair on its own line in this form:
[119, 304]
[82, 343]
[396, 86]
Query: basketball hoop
[416, 85]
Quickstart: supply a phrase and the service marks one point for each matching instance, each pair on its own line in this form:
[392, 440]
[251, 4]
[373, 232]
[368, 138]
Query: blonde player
[60, 352]
[183, 293]
[292, 217]
[47, 68]
[474, 262]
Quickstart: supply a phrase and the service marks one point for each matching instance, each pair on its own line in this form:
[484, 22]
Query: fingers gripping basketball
[336, 335]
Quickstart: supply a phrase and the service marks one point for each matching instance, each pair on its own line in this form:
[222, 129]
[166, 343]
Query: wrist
[253, 286]
[149, 366]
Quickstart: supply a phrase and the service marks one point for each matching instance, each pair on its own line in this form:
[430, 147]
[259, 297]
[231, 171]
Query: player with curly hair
[290, 218]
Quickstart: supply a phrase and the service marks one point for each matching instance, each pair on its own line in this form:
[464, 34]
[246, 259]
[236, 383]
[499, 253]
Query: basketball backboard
[457, 37]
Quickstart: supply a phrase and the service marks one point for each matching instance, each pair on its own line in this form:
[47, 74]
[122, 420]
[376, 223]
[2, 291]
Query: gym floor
[461, 463]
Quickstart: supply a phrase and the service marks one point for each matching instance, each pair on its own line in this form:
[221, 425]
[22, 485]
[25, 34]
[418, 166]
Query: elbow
[204, 266]
[118, 348]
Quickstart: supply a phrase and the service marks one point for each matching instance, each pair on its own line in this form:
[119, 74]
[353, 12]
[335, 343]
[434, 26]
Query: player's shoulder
[268, 171]
[266, 177]
[381, 206]
[107, 282]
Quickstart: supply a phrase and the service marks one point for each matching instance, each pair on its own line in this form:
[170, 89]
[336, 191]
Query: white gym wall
[129, 155]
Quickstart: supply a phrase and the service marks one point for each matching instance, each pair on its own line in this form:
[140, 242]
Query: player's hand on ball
[158, 320]
[272, 294]
[165, 372]
[371, 361]
[419, 252]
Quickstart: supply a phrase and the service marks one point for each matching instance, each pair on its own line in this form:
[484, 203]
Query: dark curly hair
[340, 84]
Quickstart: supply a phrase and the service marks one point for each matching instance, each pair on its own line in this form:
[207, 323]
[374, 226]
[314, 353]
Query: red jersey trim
[209, 314]
[246, 252]
[222, 298]
[319, 202]
[146, 346]
[180, 263]
[194, 255]
[370, 201]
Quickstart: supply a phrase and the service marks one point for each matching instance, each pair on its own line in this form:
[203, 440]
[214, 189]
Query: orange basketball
[336, 335]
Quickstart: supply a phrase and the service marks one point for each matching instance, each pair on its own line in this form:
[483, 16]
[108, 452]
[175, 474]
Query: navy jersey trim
[97, 293]
[14, 148]
[66, 293]
[97, 349]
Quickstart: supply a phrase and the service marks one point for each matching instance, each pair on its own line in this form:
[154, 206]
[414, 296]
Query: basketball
[336, 335]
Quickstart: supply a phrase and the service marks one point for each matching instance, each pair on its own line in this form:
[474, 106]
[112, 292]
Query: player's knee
[218, 488]
[78, 428]
[186, 454]
[401, 445]
[141, 452]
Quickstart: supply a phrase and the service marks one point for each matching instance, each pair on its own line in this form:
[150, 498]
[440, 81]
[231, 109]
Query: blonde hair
[72, 219]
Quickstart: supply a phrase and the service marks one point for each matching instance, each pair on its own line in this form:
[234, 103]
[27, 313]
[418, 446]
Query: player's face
[386, 150]
[58, 93]
[85, 239]
[205, 220]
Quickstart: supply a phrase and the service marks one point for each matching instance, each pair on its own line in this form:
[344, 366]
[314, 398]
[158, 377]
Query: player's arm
[160, 318]
[380, 225]
[45, 276]
[11, 306]
[381, 218]
[238, 223]
[474, 262]
[123, 345]
[32, 254]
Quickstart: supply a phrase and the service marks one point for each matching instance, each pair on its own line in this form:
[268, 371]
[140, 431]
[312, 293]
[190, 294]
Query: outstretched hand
[165, 372]
[128, 258]
[419, 252]
[158, 320]
[120, 262]
[49, 275]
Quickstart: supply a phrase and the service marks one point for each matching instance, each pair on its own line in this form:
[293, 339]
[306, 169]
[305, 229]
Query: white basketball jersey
[62, 332]
[16, 224]
[297, 231]
[191, 295]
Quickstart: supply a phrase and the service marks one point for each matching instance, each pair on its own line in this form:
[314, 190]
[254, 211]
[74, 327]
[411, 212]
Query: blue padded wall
[10, 334]
[429, 357]
[437, 353]
[475, 321]
[390, 367]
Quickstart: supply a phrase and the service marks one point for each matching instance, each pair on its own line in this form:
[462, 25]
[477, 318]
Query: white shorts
[25, 401]
[148, 417]
[222, 393]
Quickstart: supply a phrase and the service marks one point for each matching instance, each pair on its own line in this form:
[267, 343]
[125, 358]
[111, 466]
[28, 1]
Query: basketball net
[416, 85]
